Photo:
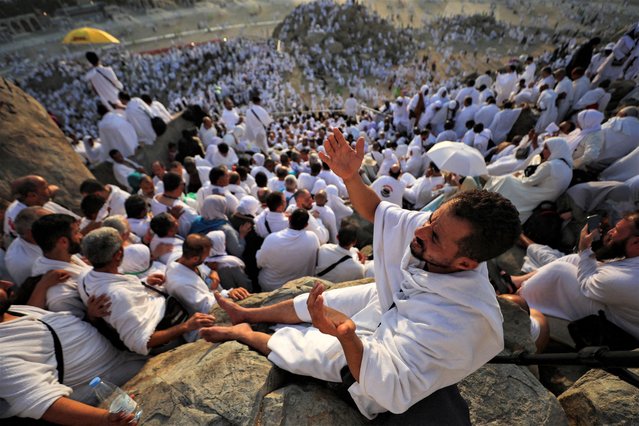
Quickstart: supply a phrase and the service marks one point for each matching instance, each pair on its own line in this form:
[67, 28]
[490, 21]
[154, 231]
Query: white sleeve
[28, 388]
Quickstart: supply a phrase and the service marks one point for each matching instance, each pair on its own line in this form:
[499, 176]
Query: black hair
[161, 224]
[91, 204]
[135, 207]
[171, 181]
[91, 186]
[347, 235]
[298, 219]
[274, 200]
[494, 221]
[49, 228]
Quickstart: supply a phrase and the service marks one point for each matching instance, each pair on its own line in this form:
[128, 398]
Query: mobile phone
[593, 222]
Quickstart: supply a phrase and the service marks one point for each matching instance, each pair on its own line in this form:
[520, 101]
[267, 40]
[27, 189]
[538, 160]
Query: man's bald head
[629, 111]
[321, 198]
[196, 246]
[32, 190]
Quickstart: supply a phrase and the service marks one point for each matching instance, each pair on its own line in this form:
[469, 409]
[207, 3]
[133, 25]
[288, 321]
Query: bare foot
[216, 334]
[236, 313]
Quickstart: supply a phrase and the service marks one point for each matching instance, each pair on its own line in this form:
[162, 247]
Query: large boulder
[507, 394]
[32, 143]
[202, 383]
[600, 398]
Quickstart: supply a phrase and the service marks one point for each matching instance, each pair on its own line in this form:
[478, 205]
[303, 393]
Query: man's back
[348, 270]
[286, 255]
[29, 382]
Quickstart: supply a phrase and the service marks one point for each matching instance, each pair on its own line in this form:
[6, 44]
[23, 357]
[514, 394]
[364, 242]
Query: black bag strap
[59, 357]
[150, 287]
[258, 118]
[268, 228]
[333, 266]
[107, 78]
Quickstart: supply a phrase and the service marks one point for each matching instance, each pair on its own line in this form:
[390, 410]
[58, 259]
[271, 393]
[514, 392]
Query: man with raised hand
[430, 320]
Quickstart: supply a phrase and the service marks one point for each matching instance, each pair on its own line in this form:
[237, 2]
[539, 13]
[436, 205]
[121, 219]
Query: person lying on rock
[430, 320]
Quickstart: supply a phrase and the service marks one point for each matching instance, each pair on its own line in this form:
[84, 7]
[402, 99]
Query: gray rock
[506, 394]
[31, 143]
[306, 404]
[600, 398]
[201, 383]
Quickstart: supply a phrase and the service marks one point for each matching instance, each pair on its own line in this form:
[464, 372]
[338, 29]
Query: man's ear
[465, 263]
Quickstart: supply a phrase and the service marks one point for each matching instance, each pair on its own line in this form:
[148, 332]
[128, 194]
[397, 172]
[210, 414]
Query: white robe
[420, 193]
[117, 133]
[105, 83]
[19, 257]
[189, 288]
[389, 189]
[406, 356]
[503, 123]
[174, 254]
[29, 381]
[349, 270]
[276, 222]
[548, 182]
[576, 286]
[285, 256]
[257, 121]
[63, 296]
[486, 114]
[139, 114]
[184, 221]
[327, 216]
[135, 310]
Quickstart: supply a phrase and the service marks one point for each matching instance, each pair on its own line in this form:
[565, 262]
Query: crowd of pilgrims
[243, 203]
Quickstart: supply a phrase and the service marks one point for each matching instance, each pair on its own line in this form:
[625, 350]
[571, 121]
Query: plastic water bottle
[115, 398]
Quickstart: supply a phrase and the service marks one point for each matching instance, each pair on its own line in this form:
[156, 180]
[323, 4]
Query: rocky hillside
[31, 143]
[325, 29]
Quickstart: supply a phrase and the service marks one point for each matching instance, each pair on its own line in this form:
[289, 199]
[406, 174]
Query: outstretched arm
[345, 162]
[332, 322]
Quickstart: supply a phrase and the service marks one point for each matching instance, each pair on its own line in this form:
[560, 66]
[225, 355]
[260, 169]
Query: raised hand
[340, 157]
[327, 320]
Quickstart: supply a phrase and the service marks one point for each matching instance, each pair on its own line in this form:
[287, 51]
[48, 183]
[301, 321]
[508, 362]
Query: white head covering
[248, 206]
[137, 261]
[259, 159]
[590, 120]
[214, 207]
[218, 251]
[559, 150]
[318, 186]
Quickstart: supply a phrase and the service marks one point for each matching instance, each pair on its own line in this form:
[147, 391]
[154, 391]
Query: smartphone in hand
[593, 222]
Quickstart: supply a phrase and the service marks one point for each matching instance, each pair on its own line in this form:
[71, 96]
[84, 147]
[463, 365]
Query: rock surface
[31, 143]
[600, 398]
[202, 383]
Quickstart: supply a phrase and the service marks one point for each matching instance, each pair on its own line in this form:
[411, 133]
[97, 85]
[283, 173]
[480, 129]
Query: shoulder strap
[150, 287]
[258, 118]
[333, 266]
[268, 228]
[107, 78]
[59, 357]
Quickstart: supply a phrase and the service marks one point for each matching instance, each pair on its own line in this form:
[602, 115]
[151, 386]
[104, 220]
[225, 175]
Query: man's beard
[5, 303]
[74, 247]
[614, 250]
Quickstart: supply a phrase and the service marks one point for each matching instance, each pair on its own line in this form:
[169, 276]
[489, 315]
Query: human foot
[236, 313]
[217, 334]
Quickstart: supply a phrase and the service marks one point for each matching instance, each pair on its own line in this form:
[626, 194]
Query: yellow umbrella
[88, 35]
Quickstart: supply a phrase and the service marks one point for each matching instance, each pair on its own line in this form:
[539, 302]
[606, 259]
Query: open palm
[340, 157]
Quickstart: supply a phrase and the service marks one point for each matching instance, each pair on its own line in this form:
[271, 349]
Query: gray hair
[117, 222]
[27, 216]
[100, 245]
[630, 111]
